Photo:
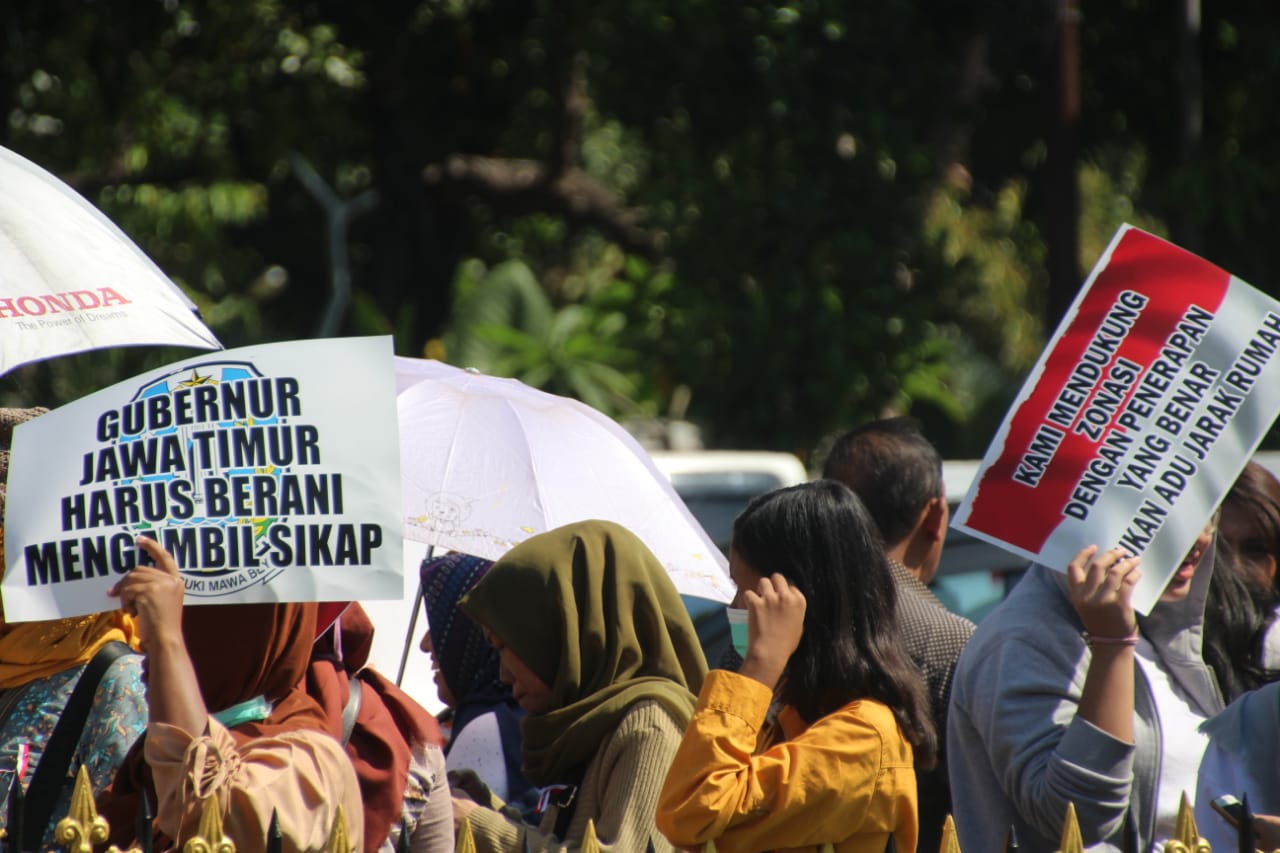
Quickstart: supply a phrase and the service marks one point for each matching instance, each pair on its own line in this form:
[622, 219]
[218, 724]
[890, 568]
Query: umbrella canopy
[71, 281]
[487, 462]
[411, 371]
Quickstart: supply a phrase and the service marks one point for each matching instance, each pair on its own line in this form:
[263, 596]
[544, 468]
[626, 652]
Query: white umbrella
[71, 281]
[411, 371]
[487, 462]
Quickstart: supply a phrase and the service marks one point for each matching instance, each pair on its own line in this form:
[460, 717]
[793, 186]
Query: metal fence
[83, 829]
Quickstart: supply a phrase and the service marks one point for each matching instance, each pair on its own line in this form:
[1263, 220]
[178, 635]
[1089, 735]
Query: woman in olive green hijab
[599, 649]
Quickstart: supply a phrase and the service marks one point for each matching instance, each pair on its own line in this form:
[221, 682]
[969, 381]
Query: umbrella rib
[533, 464]
[453, 449]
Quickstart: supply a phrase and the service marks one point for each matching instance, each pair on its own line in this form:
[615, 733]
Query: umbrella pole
[413, 623]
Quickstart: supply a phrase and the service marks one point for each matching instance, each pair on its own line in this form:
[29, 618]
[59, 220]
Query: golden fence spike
[1186, 835]
[466, 842]
[338, 840]
[209, 837]
[828, 848]
[83, 827]
[710, 847]
[590, 843]
[1071, 841]
[949, 843]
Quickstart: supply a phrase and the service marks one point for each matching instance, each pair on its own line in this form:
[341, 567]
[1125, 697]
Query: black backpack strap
[51, 772]
[9, 699]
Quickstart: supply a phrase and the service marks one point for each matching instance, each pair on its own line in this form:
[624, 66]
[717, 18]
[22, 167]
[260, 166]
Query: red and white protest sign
[1153, 393]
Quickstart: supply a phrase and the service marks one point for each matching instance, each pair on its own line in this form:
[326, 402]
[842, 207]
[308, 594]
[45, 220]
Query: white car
[973, 576]
[717, 484]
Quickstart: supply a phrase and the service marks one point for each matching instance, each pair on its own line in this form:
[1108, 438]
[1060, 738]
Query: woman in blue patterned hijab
[485, 736]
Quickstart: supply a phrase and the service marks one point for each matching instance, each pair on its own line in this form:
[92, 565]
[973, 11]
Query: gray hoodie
[1018, 754]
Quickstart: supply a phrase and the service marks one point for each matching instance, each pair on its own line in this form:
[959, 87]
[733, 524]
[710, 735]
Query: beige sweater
[303, 776]
[619, 793]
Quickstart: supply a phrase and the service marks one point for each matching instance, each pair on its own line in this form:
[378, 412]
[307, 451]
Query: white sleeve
[1271, 644]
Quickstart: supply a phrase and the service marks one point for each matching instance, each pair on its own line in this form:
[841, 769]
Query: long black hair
[1238, 613]
[1242, 596]
[1250, 522]
[820, 537]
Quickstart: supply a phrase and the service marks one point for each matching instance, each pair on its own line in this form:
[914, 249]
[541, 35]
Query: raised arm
[1101, 587]
[153, 595]
[1028, 699]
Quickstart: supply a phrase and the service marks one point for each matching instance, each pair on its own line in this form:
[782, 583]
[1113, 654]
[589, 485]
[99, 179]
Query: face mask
[250, 711]
[738, 629]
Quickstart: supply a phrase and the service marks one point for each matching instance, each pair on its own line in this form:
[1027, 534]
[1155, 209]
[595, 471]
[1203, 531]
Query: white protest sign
[71, 281]
[271, 473]
[1156, 388]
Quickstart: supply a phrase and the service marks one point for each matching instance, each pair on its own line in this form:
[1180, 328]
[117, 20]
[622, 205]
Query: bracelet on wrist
[1095, 640]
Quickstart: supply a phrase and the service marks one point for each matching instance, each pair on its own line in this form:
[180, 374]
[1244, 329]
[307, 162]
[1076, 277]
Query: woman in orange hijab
[393, 743]
[40, 665]
[229, 720]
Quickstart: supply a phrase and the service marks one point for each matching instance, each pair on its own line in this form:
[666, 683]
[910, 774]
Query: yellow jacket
[847, 779]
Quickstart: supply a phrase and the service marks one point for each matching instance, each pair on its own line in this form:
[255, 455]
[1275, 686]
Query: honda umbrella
[71, 281]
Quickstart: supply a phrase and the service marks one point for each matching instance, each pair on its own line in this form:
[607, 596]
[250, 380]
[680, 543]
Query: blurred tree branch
[523, 186]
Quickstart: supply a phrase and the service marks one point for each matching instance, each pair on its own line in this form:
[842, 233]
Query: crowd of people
[859, 712]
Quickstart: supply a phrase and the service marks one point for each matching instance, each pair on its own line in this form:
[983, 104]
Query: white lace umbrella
[487, 462]
[71, 281]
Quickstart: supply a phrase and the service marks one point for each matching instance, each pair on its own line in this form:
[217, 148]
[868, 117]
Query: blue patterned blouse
[118, 716]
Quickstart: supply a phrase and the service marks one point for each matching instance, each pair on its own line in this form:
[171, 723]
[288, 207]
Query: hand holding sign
[1102, 589]
[153, 595]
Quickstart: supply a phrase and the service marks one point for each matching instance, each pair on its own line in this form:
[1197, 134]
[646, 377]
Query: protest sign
[271, 473]
[1159, 383]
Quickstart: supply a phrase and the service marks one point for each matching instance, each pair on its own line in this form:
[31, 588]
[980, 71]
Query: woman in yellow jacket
[815, 739]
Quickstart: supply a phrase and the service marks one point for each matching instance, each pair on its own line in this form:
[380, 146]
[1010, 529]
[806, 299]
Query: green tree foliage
[175, 120]
[806, 212]
[504, 324]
